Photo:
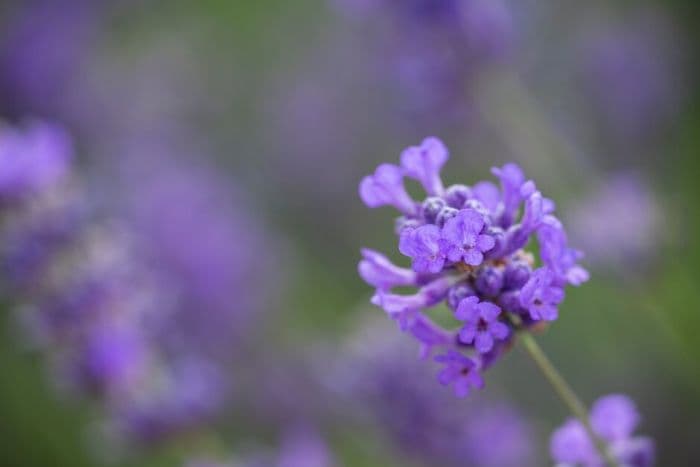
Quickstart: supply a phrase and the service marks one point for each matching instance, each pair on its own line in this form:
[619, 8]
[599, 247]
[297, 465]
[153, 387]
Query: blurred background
[211, 208]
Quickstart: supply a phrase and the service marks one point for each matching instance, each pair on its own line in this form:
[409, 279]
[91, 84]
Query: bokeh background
[268, 114]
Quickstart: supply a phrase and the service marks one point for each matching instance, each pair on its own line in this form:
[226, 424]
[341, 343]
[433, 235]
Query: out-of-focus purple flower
[459, 371]
[117, 304]
[501, 422]
[46, 46]
[614, 418]
[632, 74]
[619, 223]
[468, 242]
[482, 326]
[32, 158]
[435, 50]
[303, 447]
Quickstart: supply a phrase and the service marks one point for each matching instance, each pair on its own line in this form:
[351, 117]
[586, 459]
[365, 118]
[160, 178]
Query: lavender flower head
[147, 330]
[614, 418]
[468, 249]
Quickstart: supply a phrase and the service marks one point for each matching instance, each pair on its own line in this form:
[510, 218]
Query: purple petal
[499, 330]
[484, 342]
[485, 242]
[473, 257]
[489, 311]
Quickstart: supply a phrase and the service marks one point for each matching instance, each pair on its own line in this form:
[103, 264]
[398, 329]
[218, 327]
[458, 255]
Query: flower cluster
[614, 418]
[116, 304]
[467, 246]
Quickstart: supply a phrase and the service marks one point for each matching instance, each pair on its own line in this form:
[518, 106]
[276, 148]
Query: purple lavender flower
[385, 187]
[303, 447]
[614, 418]
[465, 239]
[424, 247]
[116, 305]
[540, 296]
[556, 254]
[32, 159]
[424, 163]
[618, 223]
[460, 371]
[482, 326]
[376, 269]
[468, 243]
[46, 46]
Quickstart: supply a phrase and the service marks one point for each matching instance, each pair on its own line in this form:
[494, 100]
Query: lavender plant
[469, 248]
[114, 306]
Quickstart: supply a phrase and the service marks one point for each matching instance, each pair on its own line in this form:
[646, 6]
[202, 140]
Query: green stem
[564, 391]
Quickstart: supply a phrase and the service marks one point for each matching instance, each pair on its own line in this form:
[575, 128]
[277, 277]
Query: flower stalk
[565, 393]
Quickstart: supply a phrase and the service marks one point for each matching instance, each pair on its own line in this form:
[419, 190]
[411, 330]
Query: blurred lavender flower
[614, 418]
[380, 382]
[145, 313]
[467, 248]
[435, 49]
[632, 74]
[32, 159]
[47, 45]
[619, 223]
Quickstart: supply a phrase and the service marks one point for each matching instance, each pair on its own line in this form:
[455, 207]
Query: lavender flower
[423, 246]
[482, 327]
[468, 243]
[614, 418]
[385, 187]
[464, 238]
[46, 46]
[117, 304]
[435, 49]
[376, 269]
[460, 371]
[32, 159]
